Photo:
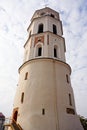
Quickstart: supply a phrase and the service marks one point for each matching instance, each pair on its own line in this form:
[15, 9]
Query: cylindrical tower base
[45, 92]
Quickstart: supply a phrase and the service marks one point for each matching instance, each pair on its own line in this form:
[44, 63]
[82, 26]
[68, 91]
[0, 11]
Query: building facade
[44, 98]
[2, 120]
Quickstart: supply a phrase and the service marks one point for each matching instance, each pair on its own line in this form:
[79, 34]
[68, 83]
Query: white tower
[44, 99]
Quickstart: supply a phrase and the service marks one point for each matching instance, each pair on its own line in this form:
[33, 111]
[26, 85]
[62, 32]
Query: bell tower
[44, 98]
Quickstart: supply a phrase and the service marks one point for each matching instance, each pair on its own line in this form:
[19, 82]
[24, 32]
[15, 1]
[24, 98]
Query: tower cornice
[47, 9]
[47, 59]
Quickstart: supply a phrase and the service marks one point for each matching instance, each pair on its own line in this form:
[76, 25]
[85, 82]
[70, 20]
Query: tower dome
[44, 98]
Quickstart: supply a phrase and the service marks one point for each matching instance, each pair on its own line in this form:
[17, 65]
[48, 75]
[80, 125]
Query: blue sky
[14, 20]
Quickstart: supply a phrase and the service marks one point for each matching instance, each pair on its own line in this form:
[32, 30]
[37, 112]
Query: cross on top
[46, 3]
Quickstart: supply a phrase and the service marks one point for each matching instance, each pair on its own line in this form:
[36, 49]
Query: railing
[7, 121]
[12, 124]
[7, 124]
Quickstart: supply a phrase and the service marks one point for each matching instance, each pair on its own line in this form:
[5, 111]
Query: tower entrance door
[15, 114]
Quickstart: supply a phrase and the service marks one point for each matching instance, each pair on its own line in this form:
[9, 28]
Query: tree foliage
[83, 122]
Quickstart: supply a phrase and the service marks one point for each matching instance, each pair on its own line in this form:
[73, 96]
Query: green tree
[83, 122]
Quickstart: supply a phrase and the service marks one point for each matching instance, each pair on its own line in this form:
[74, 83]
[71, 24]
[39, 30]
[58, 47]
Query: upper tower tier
[45, 36]
[46, 16]
[46, 12]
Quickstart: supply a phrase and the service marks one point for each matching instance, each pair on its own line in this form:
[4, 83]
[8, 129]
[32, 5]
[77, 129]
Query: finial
[46, 3]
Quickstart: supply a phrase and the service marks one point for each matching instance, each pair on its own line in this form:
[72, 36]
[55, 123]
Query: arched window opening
[15, 115]
[55, 52]
[40, 28]
[22, 97]
[52, 15]
[70, 100]
[26, 76]
[39, 51]
[43, 13]
[67, 78]
[54, 29]
[43, 111]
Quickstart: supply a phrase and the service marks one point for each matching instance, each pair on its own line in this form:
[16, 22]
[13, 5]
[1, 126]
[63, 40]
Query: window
[54, 29]
[52, 15]
[22, 97]
[40, 28]
[67, 78]
[70, 111]
[70, 101]
[39, 51]
[43, 13]
[15, 114]
[26, 75]
[55, 52]
[43, 111]
[48, 39]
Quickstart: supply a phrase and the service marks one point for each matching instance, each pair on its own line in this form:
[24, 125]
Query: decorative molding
[39, 39]
[44, 58]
